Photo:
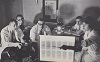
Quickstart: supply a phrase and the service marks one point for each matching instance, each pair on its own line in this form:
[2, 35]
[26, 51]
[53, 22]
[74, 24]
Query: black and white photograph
[49, 30]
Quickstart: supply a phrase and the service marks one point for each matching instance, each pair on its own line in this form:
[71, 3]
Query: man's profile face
[40, 23]
[13, 25]
[86, 26]
[19, 21]
[19, 18]
[78, 21]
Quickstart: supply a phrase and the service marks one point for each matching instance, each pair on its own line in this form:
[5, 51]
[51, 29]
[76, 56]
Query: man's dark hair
[13, 20]
[79, 17]
[40, 19]
[19, 15]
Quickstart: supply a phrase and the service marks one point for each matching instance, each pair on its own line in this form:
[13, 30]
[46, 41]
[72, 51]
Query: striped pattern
[92, 42]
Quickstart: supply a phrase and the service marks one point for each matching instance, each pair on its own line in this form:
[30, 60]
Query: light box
[50, 48]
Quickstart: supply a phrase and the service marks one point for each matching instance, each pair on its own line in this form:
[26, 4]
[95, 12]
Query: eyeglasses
[40, 23]
[19, 20]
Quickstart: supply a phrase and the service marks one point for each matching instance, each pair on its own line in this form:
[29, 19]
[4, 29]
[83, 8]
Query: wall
[30, 9]
[8, 10]
[12, 8]
[74, 8]
[68, 9]
[2, 15]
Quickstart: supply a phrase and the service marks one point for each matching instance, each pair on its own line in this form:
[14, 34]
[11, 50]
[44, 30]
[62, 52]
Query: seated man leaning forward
[79, 23]
[6, 36]
[78, 27]
[39, 29]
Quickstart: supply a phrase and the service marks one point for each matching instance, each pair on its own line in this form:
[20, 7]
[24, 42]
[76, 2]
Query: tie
[79, 27]
[41, 32]
[11, 36]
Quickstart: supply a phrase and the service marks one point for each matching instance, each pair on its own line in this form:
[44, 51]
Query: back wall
[68, 9]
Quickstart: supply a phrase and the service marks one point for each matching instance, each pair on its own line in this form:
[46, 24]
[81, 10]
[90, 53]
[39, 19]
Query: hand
[80, 60]
[44, 32]
[85, 48]
[25, 44]
[18, 45]
[64, 47]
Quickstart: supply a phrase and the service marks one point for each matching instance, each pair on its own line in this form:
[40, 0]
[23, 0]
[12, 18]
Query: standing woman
[91, 43]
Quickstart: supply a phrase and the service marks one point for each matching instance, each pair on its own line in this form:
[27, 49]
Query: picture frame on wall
[50, 8]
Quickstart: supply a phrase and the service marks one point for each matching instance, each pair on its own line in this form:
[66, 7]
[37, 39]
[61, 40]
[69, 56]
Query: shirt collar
[90, 33]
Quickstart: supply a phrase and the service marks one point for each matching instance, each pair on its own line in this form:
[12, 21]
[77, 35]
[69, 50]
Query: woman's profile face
[86, 26]
[19, 21]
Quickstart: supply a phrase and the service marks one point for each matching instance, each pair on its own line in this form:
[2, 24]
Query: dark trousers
[10, 54]
[33, 50]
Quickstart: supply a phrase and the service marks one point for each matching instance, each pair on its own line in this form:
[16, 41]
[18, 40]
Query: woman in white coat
[91, 42]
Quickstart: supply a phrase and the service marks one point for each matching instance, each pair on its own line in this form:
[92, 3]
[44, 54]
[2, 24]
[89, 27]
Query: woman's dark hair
[92, 22]
[22, 18]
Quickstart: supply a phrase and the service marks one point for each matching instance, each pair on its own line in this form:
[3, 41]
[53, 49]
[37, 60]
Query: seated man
[6, 36]
[79, 24]
[39, 29]
[78, 27]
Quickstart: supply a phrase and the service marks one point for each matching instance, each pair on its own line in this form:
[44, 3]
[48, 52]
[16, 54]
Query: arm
[32, 34]
[22, 36]
[54, 32]
[48, 30]
[11, 44]
[20, 39]
[84, 49]
[85, 45]
[74, 27]
[5, 40]
[16, 36]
